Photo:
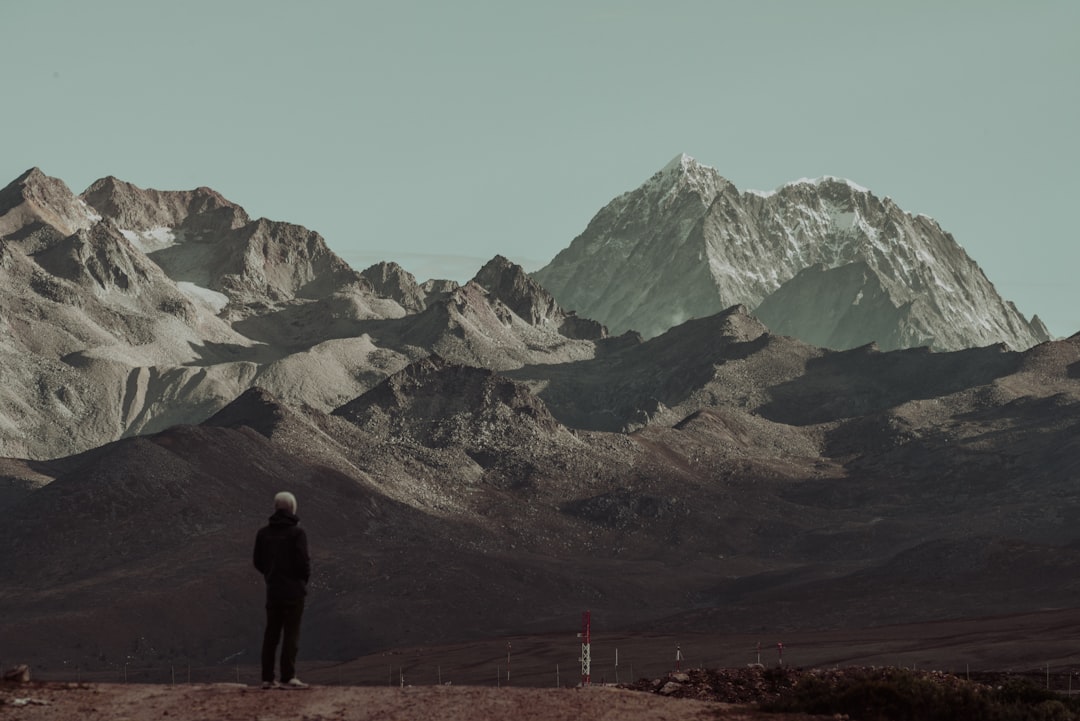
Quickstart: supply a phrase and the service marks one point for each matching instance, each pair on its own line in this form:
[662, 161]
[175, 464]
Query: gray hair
[285, 501]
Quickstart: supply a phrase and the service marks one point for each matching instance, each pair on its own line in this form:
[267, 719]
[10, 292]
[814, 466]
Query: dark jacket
[281, 556]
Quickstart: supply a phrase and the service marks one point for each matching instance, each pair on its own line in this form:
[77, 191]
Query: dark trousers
[281, 616]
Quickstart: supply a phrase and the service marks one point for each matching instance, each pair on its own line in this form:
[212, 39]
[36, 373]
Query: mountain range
[823, 260]
[474, 460]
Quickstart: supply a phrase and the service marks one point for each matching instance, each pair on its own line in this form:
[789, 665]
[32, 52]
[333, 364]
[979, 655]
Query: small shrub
[900, 695]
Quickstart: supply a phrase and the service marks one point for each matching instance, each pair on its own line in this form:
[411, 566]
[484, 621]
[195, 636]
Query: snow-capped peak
[810, 181]
[683, 172]
[681, 162]
[731, 250]
[828, 178]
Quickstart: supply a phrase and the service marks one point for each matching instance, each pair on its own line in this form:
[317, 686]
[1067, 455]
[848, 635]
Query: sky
[439, 134]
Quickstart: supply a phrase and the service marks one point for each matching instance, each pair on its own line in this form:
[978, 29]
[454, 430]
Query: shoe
[295, 683]
[269, 684]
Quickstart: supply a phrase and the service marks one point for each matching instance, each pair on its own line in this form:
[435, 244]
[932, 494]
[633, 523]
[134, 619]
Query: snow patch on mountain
[152, 240]
[849, 221]
[210, 298]
[91, 215]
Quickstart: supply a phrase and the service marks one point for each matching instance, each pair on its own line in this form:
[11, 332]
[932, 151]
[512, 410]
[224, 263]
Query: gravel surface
[226, 702]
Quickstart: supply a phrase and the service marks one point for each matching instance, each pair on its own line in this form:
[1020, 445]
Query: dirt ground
[228, 702]
[368, 687]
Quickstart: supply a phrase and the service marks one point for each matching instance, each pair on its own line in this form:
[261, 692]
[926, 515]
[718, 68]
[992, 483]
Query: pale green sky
[438, 134]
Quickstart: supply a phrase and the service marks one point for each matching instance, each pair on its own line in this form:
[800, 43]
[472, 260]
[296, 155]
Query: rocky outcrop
[438, 404]
[390, 280]
[199, 237]
[509, 284]
[37, 210]
[191, 212]
[268, 262]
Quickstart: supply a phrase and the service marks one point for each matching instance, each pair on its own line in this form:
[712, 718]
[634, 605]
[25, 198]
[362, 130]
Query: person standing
[281, 556]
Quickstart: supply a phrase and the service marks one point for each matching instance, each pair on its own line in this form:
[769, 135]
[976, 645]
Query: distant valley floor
[1019, 643]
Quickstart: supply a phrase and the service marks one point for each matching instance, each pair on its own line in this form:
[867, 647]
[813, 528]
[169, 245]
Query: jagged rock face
[111, 314]
[509, 283]
[135, 309]
[99, 341]
[390, 280]
[201, 238]
[438, 404]
[99, 257]
[520, 293]
[269, 262]
[687, 244]
[439, 286]
[34, 202]
[470, 326]
[142, 210]
[634, 267]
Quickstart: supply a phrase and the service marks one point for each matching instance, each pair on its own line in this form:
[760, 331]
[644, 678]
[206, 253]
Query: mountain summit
[824, 260]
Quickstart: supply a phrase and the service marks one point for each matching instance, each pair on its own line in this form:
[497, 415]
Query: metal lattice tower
[586, 647]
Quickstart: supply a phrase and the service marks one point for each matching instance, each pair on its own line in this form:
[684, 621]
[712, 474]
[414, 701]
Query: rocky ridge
[823, 260]
[142, 308]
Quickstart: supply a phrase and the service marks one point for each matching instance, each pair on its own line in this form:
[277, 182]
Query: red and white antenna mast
[586, 647]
